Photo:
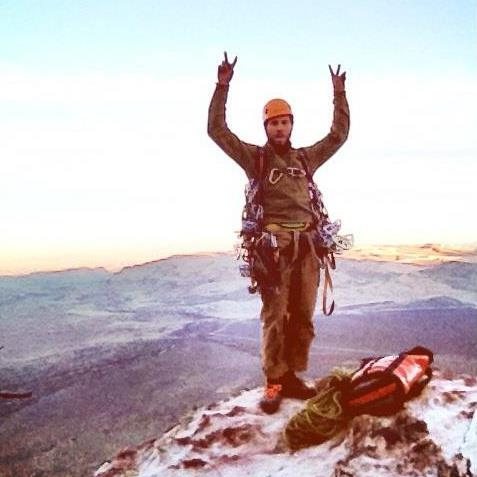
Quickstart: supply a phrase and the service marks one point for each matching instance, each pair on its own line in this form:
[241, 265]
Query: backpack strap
[302, 157]
[409, 369]
[260, 166]
[260, 163]
[316, 203]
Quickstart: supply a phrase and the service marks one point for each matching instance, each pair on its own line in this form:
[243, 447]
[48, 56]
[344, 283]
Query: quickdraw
[252, 232]
[326, 238]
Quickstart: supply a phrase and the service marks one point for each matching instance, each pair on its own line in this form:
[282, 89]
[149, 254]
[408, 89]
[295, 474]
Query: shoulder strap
[260, 163]
[315, 195]
[311, 184]
[303, 160]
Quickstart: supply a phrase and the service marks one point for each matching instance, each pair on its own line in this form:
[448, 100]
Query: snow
[442, 410]
[469, 446]
[235, 439]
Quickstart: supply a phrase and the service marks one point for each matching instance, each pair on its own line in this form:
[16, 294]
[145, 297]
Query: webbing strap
[261, 163]
[301, 156]
[294, 257]
[260, 173]
[312, 248]
[315, 200]
[296, 243]
[328, 285]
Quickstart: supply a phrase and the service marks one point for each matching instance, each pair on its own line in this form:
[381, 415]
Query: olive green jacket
[288, 199]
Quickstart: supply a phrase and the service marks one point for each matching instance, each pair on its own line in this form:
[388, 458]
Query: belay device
[259, 248]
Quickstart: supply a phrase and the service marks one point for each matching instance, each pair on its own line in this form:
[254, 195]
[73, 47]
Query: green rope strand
[322, 416]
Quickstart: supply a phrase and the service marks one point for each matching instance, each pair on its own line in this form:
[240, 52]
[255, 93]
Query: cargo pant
[287, 316]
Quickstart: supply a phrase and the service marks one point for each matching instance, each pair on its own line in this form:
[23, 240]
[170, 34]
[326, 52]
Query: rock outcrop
[434, 435]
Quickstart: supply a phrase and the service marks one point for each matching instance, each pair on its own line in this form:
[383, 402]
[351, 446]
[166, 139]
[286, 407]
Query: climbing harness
[259, 249]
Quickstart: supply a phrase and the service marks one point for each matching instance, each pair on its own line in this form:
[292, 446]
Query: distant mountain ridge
[419, 254]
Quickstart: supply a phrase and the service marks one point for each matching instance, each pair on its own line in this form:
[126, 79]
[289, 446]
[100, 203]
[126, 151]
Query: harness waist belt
[289, 226]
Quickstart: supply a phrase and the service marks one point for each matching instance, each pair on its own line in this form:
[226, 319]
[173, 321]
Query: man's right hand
[226, 70]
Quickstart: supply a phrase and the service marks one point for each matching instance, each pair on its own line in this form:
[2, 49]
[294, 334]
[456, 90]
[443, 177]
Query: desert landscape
[115, 359]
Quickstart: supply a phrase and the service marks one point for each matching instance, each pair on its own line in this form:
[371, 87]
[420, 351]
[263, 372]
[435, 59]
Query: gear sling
[259, 248]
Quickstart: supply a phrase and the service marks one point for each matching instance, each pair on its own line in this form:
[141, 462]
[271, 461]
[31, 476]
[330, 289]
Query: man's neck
[280, 149]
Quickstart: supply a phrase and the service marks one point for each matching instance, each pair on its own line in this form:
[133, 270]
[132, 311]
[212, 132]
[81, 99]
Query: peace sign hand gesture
[226, 70]
[338, 79]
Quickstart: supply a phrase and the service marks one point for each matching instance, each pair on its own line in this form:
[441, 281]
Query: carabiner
[271, 177]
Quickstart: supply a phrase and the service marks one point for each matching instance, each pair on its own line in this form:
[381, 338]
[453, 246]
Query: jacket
[288, 199]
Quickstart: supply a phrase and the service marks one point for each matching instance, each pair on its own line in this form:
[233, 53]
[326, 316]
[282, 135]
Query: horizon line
[441, 249]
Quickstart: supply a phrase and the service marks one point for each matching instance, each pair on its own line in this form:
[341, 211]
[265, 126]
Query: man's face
[279, 129]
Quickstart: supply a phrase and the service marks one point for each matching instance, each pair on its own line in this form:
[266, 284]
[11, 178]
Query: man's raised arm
[217, 128]
[321, 151]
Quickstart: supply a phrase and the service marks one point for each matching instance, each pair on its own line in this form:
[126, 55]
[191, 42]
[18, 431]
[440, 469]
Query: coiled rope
[323, 414]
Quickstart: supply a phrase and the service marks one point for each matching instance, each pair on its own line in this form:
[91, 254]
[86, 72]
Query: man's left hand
[338, 79]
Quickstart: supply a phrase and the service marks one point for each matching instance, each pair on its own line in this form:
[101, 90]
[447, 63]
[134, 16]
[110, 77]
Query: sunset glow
[105, 155]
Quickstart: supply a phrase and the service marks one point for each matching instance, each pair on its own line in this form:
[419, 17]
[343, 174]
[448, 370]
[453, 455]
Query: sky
[103, 114]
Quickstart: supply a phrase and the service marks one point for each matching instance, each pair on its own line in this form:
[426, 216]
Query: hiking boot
[272, 398]
[294, 387]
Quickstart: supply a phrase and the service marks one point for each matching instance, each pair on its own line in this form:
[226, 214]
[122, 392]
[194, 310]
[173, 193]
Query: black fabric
[266, 271]
[393, 401]
[385, 405]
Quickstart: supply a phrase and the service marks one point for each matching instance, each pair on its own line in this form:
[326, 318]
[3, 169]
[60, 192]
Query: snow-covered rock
[434, 435]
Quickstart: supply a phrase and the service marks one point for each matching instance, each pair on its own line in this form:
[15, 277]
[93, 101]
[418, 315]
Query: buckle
[295, 172]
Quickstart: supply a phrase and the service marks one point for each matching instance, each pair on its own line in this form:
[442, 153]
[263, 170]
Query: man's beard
[280, 148]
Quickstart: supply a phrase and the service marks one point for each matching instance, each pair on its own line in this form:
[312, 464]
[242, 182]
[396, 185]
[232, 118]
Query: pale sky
[103, 113]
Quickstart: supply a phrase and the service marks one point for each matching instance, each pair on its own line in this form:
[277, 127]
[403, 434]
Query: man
[287, 312]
